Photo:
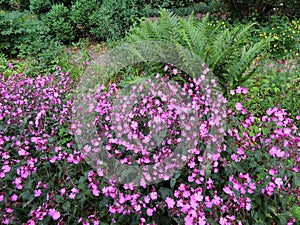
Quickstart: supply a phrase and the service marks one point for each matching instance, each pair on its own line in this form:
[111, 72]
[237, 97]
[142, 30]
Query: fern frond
[237, 71]
[227, 52]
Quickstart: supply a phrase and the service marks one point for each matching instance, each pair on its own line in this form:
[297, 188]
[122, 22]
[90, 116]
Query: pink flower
[170, 202]
[205, 71]
[62, 191]
[149, 212]
[248, 206]
[31, 222]
[228, 191]
[37, 193]
[238, 106]
[96, 192]
[147, 199]
[18, 183]
[6, 168]
[72, 196]
[130, 186]
[153, 195]
[278, 182]
[75, 190]
[54, 214]
[273, 172]
[14, 197]
[175, 71]
[274, 151]
[223, 221]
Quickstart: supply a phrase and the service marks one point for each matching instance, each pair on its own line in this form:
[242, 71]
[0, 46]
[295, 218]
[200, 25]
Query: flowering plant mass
[252, 177]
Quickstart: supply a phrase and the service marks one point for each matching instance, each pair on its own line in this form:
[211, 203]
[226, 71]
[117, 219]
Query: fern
[227, 52]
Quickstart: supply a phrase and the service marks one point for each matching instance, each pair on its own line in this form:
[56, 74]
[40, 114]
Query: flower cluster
[149, 125]
[33, 116]
[252, 176]
[285, 34]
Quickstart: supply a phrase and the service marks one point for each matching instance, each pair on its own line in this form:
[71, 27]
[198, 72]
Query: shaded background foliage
[262, 9]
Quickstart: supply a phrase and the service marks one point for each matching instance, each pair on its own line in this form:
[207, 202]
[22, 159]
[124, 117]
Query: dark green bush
[201, 8]
[170, 3]
[59, 22]
[40, 7]
[14, 5]
[113, 18]
[16, 29]
[80, 14]
[262, 9]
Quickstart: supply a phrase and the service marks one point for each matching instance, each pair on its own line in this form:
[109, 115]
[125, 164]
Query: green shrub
[80, 14]
[40, 7]
[201, 8]
[59, 22]
[170, 3]
[113, 18]
[16, 29]
[262, 9]
[286, 36]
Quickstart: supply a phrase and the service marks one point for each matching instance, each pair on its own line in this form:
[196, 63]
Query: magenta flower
[37, 193]
[54, 214]
[238, 106]
[170, 202]
[14, 197]
[274, 151]
[175, 71]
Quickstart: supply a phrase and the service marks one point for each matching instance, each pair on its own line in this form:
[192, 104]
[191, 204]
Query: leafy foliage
[262, 9]
[14, 5]
[227, 51]
[18, 29]
[277, 83]
[170, 3]
[201, 8]
[80, 14]
[286, 36]
[59, 22]
[114, 18]
[40, 7]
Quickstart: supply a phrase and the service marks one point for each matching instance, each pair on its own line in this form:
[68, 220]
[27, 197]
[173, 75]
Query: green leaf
[26, 195]
[59, 198]
[82, 183]
[104, 201]
[66, 205]
[296, 213]
[271, 209]
[283, 218]
[172, 183]
[165, 192]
